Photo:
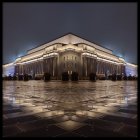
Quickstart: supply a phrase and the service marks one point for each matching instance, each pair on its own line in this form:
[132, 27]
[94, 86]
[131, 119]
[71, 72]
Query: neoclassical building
[69, 53]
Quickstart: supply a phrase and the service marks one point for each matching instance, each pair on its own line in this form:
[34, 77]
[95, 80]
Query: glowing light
[89, 54]
[7, 65]
[122, 59]
[40, 58]
[132, 65]
[50, 54]
[31, 57]
[18, 59]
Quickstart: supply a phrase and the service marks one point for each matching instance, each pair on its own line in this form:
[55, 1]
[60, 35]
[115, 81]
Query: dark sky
[112, 25]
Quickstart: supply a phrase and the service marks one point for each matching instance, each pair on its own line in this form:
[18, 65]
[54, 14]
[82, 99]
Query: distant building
[8, 69]
[131, 69]
[69, 53]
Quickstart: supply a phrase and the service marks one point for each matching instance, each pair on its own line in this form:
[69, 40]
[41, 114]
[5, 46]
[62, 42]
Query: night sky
[112, 25]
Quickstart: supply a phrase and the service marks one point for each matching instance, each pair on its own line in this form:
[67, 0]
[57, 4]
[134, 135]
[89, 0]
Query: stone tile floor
[70, 109]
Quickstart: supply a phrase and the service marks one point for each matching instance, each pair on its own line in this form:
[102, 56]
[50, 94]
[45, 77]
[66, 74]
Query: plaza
[69, 70]
[70, 109]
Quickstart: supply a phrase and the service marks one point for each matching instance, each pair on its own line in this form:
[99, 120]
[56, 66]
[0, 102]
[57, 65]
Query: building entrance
[67, 76]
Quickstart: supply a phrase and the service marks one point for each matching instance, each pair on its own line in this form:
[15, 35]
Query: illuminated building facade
[69, 53]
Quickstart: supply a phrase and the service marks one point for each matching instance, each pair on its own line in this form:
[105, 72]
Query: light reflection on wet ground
[73, 101]
[71, 95]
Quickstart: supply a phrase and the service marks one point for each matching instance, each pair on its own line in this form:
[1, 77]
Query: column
[44, 65]
[97, 66]
[57, 68]
[86, 64]
[80, 67]
[83, 68]
[103, 67]
[53, 66]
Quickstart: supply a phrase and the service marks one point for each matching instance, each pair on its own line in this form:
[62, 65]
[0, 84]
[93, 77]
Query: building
[69, 53]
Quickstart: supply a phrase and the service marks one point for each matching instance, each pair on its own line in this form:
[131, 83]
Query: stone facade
[70, 53]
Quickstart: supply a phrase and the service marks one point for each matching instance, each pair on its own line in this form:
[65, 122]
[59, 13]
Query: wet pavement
[70, 109]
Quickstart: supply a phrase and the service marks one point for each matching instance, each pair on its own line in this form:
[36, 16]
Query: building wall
[68, 61]
[58, 58]
[84, 66]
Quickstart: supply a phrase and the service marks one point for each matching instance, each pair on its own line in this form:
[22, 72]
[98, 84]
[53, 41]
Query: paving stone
[75, 109]
[120, 119]
[20, 120]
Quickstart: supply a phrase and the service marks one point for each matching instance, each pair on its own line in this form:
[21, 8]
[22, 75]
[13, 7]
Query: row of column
[36, 67]
[104, 67]
[88, 65]
[92, 65]
[48, 65]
